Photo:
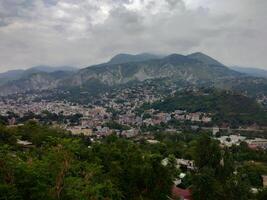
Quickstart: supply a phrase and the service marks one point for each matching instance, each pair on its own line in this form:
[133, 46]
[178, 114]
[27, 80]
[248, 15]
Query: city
[133, 100]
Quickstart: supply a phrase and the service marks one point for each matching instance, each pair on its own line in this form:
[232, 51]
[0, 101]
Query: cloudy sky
[85, 32]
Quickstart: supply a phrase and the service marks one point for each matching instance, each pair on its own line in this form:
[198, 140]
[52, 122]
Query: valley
[180, 109]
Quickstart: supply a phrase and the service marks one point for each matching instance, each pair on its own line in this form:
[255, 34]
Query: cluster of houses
[157, 118]
[130, 118]
[96, 118]
[180, 115]
[256, 143]
[26, 106]
[194, 117]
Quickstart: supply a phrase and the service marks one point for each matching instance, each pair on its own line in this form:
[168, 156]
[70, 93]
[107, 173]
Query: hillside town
[95, 117]
[119, 112]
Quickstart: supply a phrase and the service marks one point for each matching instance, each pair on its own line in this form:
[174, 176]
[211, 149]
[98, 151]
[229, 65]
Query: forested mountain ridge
[196, 69]
[225, 106]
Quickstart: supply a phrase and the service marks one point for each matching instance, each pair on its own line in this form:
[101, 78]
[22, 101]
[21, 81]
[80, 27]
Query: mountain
[195, 68]
[175, 67]
[49, 69]
[204, 58]
[127, 58]
[251, 71]
[12, 75]
[35, 82]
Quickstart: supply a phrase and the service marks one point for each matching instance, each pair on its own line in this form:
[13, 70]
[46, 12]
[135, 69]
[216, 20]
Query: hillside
[13, 75]
[34, 82]
[195, 69]
[204, 58]
[226, 106]
[127, 58]
[10, 76]
[175, 66]
[252, 86]
[251, 71]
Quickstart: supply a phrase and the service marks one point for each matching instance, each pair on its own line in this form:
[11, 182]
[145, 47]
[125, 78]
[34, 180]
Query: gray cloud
[85, 32]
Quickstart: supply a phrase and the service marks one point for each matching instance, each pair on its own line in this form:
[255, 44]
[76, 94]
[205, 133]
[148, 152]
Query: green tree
[215, 178]
[207, 153]
[206, 186]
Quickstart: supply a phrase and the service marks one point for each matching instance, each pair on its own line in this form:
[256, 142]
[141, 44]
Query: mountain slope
[12, 75]
[195, 69]
[127, 58]
[49, 69]
[226, 107]
[204, 58]
[175, 66]
[251, 71]
[34, 82]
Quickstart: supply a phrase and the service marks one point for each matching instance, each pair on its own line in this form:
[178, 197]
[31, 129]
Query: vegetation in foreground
[59, 166]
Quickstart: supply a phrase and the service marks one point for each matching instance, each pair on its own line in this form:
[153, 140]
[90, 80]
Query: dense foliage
[57, 166]
[227, 106]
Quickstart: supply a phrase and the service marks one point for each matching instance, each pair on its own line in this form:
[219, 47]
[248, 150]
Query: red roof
[181, 193]
[253, 146]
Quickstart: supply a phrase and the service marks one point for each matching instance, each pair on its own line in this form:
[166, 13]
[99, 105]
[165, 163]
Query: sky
[85, 32]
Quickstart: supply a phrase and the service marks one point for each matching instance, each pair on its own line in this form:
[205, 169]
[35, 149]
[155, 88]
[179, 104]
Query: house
[206, 119]
[26, 145]
[257, 143]
[253, 127]
[179, 117]
[103, 131]
[215, 130]
[178, 180]
[195, 117]
[188, 164]
[148, 122]
[184, 194]
[178, 112]
[161, 117]
[80, 131]
[253, 146]
[130, 133]
[24, 142]
[152, 141]
[264, 181]
[231, 140]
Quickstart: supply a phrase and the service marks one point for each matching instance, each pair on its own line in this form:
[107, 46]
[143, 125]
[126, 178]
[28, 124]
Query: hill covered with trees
[226, 106]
